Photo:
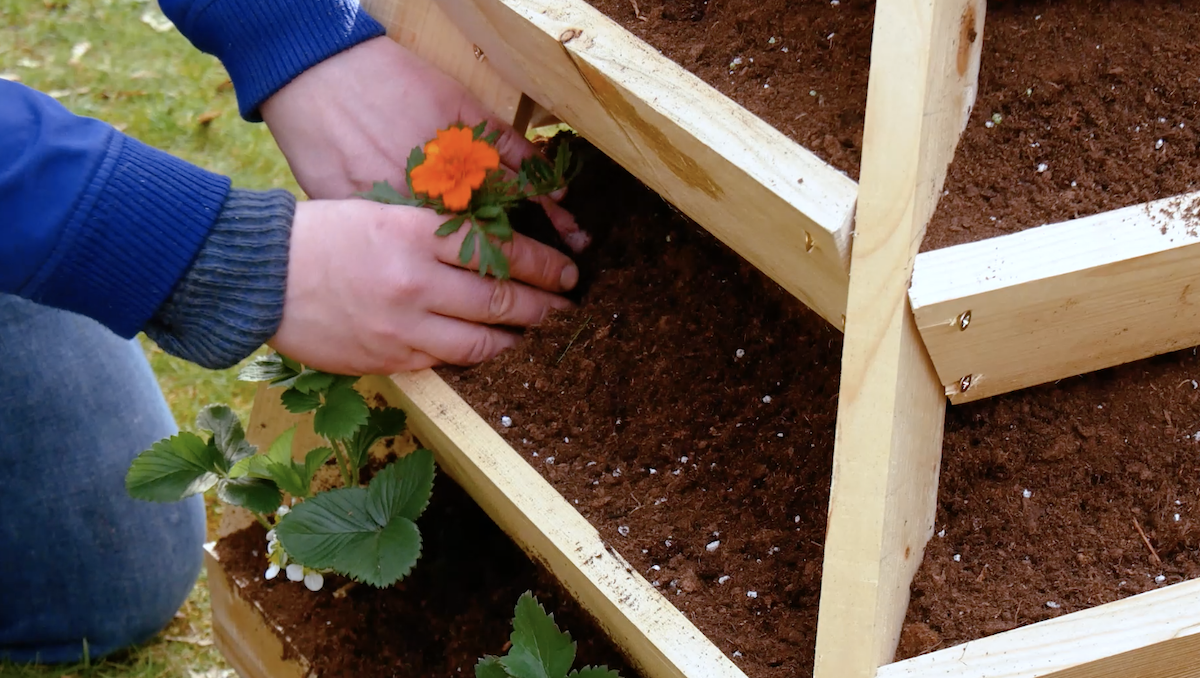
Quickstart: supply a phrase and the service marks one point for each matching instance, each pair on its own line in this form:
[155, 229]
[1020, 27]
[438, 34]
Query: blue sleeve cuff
[265, 44]
[132, 235]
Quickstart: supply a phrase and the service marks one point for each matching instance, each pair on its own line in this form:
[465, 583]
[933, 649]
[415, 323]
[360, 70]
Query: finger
[513, 147]
[459, 342]
[564, 222]
[529, 261]
[468, 296]
[416, 360]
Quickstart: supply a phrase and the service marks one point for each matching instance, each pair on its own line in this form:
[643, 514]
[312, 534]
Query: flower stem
[343, 464]
[262, 520]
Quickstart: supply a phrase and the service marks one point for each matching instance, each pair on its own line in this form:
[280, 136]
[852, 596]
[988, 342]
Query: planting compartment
[980, 319]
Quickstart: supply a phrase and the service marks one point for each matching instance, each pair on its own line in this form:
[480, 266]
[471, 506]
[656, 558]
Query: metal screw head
[964, 321]
[964, 383]
[809, 244]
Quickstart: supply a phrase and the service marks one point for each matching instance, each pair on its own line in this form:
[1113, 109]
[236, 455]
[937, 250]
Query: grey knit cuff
[230, 301]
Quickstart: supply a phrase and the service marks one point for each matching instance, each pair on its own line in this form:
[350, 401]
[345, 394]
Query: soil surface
[689, 401]
[456, 606]
[1085, 88]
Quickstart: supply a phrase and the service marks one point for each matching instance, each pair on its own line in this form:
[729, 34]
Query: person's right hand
[372, 290]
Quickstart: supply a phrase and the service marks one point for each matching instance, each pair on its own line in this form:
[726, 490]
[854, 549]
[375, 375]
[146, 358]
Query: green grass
[155, 86]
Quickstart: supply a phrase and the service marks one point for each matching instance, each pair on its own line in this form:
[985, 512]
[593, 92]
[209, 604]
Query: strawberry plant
[539, 649]
[458, 173]
[367, 533]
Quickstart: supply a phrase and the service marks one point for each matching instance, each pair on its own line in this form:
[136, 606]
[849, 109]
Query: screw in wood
[964, 384]
[569, 35]
[808, 242]
[964, 321]
[479, 55]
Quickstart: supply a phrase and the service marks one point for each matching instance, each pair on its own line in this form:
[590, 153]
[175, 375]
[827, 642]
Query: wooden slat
[727, 169]
[924, 68]
[1152, 635]
[1060, 300]
[658, 638]
[422, 27]
[242, 634]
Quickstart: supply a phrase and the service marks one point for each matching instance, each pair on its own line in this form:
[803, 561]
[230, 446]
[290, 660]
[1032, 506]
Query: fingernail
[570, 276]
[577, 240]
[558, 195]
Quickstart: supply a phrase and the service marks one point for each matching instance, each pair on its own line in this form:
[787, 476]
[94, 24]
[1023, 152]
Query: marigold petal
[458, 197]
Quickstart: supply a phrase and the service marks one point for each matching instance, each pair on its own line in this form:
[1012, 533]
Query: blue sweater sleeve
[91, 220]
[264, 44]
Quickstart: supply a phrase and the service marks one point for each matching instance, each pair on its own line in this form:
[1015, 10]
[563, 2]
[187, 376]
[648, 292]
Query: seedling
[539, 649]
[367, 533]
[458, 173]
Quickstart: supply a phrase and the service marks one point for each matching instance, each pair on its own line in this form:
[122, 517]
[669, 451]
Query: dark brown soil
[800, 65]
[1086, 87]
[455, 607]
[640, 410]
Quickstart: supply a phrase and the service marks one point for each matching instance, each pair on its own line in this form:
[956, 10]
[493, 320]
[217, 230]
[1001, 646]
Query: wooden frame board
[1060, 300]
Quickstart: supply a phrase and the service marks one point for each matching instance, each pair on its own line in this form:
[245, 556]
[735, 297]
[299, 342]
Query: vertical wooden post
[924, 72]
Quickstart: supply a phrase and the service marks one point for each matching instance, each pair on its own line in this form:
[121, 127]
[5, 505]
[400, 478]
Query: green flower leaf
[256, 494]
[344, 411]
[313, 462]
[299, 402]
[478, 130]
[414, 160]
[402, 488]
[228, 435]
[382, 191]
[539, 649]
[274, 368]
[451, 226]
[381, 423]
[334, 530]
[468, 246]
[490, 667]
[289, 477]
[489, 212]
[174, 468]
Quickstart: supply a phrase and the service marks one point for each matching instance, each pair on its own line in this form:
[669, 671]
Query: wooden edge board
[1061, 300]
[768, 198]
[241, 633]
[891, 411]
[1151, 635]
[660, 641]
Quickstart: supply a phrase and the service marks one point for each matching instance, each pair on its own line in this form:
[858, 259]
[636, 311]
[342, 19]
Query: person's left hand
[354, 118]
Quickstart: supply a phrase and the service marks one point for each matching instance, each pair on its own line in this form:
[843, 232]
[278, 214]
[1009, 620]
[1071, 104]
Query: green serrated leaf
[381, 423]
[489, 212]
[492, 259]
[477, 130]
[492, 137]
[281, 449]
[343, 413]
[313, 381]
[289, 476]
[174, 468]
[256, 494]
[490, 667]
[382, 192]
[299, 402]
[227, 432]
[539, 649]
[594, 672]
[334, 530]
[273, 368]
[252, 467]
[402, 488]
[451, 226]
[314, 460]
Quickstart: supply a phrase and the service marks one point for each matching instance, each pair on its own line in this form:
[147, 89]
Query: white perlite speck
[1027, 493]
[723, 578]
[739, 353]
[1158, 144]
[623, 530]
[1160, 579]
[752, 594]
[767, 399]
[712, 546]
[738, 653]
[506, 421]
[1042, 167]
[957, 558]
[1052, 605]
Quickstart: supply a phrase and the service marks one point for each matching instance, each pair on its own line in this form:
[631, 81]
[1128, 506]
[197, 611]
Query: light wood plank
[423, 27]
[727, 169]
[659, 639]
[924, 68]
[240, 631]
[1152, 635]
[1060, 300]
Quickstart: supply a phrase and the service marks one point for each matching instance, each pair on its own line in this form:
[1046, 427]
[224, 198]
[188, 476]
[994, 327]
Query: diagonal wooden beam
[924, 70]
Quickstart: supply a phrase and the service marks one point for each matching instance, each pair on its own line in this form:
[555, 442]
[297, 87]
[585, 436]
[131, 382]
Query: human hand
[372, 290]
[353, 119]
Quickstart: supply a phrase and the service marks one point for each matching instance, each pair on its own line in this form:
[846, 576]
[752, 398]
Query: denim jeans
[79, 559]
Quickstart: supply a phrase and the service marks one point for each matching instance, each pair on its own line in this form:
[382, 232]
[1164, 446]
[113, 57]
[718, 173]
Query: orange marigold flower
[455, 164]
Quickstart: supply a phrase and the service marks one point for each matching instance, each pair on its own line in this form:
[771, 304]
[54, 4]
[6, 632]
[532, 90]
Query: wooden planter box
[955, 324]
